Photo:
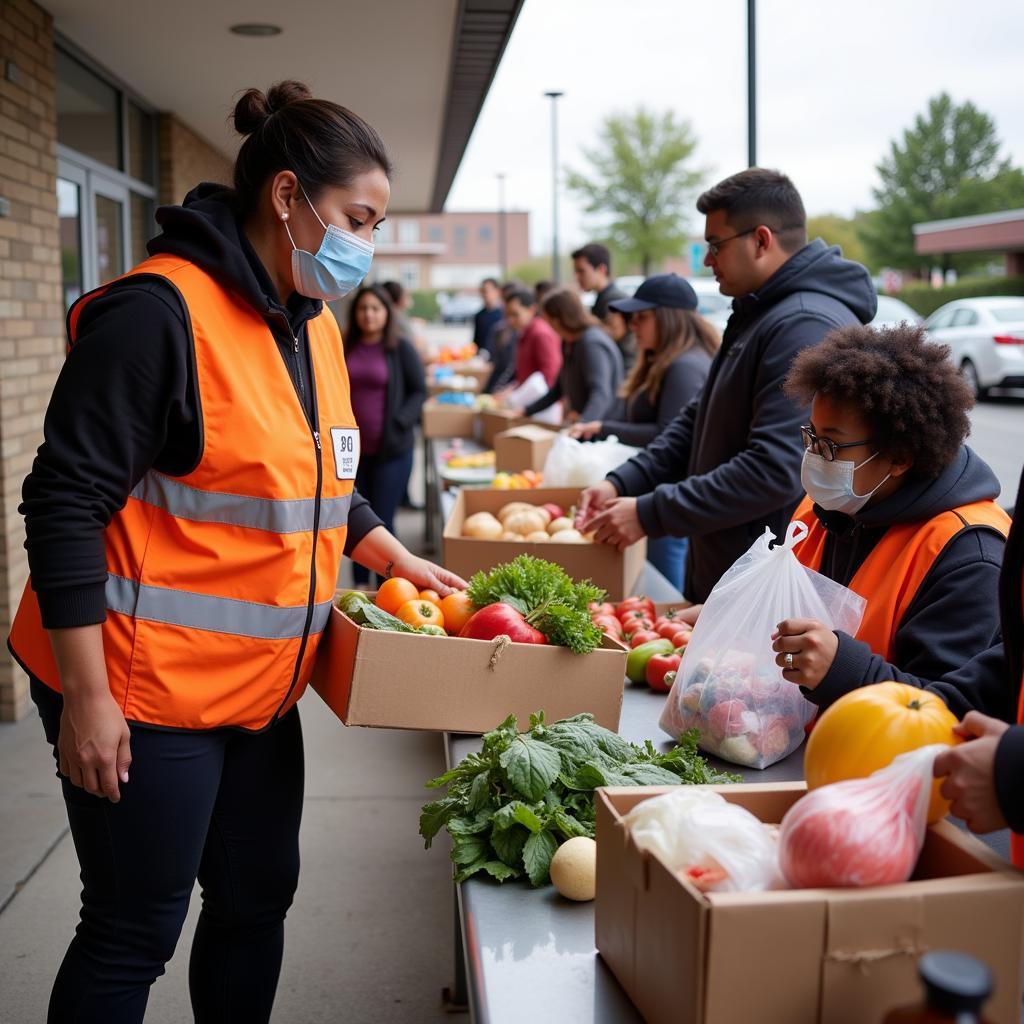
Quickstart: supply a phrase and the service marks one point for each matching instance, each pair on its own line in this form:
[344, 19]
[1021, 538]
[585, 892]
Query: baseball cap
[669, 290]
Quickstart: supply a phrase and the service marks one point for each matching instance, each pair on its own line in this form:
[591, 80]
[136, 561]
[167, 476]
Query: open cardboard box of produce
[441, 420]
[612, 570]
[524, 447]
[447, 684]
[495, 421]
[839, 956]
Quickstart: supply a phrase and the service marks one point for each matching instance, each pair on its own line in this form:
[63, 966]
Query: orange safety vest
[219, 582]
[891, 575]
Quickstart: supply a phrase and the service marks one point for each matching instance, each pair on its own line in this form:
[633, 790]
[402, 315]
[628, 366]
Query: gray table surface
[529, 953]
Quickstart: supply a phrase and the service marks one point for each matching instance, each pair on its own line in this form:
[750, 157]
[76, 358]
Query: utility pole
[502, 228]
[751, 83]
[556, 275]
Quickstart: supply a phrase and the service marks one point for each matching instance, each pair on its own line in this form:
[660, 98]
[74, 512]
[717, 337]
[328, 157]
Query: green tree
[641, 184]
[946, 165]
[841, 231]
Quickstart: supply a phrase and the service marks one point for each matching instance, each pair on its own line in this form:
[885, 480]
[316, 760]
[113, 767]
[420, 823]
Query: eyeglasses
[825, 446]
[715, 247]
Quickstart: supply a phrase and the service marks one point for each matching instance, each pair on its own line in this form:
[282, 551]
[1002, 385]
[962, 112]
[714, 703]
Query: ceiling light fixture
[256, 29]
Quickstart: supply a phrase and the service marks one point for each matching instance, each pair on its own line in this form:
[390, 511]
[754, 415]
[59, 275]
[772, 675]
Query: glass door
[69, 212]
[111, 232]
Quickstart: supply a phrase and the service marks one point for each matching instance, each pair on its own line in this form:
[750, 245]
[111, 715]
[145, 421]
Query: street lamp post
[751, 83]
[553, 95]
[502, 228]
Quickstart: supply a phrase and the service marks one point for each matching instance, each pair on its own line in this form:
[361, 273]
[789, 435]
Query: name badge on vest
[346, 451]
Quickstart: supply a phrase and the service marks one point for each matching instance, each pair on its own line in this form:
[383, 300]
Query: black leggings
[221, 806]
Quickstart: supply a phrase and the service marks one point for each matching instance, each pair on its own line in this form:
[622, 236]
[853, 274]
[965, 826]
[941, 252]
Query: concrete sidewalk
[370, 936]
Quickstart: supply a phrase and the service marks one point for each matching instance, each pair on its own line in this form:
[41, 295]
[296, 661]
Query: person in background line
[618, 328]
[388, 392]
[488, 317]
[501, 346]
[729, 463]
[538, 347]
[591, 373]
[592, 268]
[899, 510]
[675, 345]
[982, 777]
[541, 290]
[405, 325]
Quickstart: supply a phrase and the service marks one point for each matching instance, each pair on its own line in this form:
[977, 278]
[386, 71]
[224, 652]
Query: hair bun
[253, 108]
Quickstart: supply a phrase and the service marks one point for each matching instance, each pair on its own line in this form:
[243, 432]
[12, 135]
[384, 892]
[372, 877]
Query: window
[460, 237]
[409, 232]
[964, 318]
[485, 234]
[386, 232]
[88, 112]
[106, 174]
[411, 276]
[939, 320]
[435, 233]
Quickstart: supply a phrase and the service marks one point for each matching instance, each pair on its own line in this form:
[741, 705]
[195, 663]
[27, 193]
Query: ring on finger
[788, 659]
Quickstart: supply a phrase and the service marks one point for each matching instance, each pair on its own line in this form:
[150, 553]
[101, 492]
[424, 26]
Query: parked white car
[892, 312]
[460, 309]
[986, 340]
[715, 307]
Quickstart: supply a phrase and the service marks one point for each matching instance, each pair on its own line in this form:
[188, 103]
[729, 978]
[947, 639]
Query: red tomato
[642, 637]
[636, 620]
[634, 603]
[681, 637]
[609, 624]
[666, 629]
[657, 671]
[601, 608]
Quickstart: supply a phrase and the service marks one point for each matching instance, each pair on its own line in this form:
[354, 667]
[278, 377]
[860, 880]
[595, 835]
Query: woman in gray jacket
[592, 364]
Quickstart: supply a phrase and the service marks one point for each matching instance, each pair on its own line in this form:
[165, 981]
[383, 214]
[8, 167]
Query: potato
[482, 526]
[512, 508]
[543, 513]
[563, 523]
[569, 536]
[509, 535]
[524, 522]
[538, 537]
[574, 868]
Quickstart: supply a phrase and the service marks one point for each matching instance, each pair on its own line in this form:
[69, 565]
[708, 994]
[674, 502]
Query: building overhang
[990, 232]
[418, 72]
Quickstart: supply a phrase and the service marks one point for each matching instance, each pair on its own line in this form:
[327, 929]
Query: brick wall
[31, 320]
[186, 159]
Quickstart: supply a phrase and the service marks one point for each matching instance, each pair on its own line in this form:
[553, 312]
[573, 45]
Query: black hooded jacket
[955, 614]
[729, 464]
[126, 401]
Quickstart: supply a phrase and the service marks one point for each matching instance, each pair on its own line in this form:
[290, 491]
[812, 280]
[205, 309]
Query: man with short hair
[729, 464]
[592, 268]
[488, 317]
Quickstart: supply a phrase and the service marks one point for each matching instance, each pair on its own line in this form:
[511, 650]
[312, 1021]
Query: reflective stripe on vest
[277, 516]
[216, 614]
[891, 575]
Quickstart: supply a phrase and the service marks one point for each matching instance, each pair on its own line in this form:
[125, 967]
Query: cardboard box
[838, 956]
[404, 681]
[495, 421]
[524, 447]
[614, 571]
[441, 420]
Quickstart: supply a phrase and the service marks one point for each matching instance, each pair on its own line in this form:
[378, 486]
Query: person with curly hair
[899, 510]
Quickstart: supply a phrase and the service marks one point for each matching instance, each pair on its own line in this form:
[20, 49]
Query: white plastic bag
[572, 463]
[860, 831]
[719, 846]
[728, 685]
[534, 387]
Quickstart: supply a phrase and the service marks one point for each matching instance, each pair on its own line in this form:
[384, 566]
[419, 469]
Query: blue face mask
[339, 266]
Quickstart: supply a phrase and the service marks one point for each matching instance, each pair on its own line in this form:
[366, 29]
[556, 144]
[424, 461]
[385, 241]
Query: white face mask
[830, 484]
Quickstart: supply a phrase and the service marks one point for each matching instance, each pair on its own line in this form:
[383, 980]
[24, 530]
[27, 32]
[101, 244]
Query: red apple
[555, 511]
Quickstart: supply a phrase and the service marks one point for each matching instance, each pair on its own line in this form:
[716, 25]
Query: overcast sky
[837, 81]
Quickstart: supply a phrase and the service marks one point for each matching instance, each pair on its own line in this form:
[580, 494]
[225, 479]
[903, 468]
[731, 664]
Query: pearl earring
[284, 216]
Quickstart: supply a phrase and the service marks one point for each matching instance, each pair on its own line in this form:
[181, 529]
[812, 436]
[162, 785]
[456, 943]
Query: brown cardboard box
[524, 447]
[838, 956]
[404, 681]
[496, 421]
[614, 571]
[441, 420]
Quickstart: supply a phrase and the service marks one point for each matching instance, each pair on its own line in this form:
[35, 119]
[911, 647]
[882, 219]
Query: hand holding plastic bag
[861, 831]
[728, 685]
[718, 845]
[572, 463]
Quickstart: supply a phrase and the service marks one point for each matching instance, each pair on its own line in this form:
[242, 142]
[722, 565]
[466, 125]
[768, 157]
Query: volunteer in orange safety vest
[186, 518]
[900, 511]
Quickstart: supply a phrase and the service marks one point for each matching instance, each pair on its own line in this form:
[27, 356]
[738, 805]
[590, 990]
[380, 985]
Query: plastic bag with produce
[716, 845]
[728, 685]
[861, 831]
